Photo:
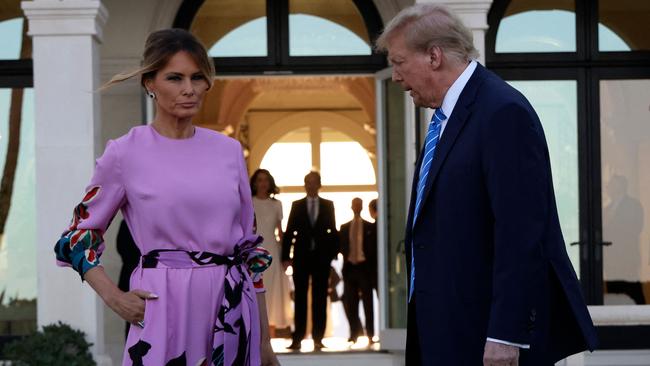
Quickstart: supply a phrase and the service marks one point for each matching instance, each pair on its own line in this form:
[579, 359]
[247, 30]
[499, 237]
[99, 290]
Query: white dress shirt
[312, 208]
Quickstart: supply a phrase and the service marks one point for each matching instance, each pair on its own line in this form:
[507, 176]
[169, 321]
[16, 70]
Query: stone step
[350, 358]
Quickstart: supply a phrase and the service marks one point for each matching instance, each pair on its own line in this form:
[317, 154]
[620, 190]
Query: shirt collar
[450, 99]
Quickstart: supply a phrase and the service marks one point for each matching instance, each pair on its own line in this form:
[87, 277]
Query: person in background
[184, 192]
[312, 237]
[490, 281]
[359, 248]
[372, 208]
[622, 227]
[268, 224]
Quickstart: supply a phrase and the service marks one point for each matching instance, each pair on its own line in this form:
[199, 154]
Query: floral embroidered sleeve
[260, 258]
[82, 243]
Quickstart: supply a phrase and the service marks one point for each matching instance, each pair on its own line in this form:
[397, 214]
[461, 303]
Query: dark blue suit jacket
[489, 254]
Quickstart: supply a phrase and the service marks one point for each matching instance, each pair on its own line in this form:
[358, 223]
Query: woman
[184, 193]
[268, 217]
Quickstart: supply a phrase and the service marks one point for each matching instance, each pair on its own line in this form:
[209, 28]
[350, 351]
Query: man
[490, 281]
[358, 240]
[372, 208]
[311, 233]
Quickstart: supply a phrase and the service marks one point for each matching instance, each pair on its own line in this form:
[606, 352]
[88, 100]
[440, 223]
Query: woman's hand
[268, 356]
[130, 306]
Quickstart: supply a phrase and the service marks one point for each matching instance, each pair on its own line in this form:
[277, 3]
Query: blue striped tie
[433, 135]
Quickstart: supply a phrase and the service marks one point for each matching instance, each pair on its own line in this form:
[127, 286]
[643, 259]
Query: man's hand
[497, 354]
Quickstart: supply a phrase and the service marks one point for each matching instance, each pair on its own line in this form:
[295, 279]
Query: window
[232, 28]
[326, 28]
[18, 290]
[587, 77]
[292, 157]
[286, 36]
[623, 25]
[526, 27]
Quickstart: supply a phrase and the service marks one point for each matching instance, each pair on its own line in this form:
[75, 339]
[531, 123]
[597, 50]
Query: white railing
[604, 315]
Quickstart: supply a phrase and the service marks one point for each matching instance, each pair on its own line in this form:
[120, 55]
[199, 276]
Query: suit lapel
[460, 114]
[305, 210]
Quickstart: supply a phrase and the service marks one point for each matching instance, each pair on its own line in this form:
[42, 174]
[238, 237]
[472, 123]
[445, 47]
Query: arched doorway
[267, 96]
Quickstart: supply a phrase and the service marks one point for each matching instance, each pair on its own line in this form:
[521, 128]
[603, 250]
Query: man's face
[357, 206]
[312, 185]
[413, 71]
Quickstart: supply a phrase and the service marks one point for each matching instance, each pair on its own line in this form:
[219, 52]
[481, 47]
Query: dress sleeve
[260, 256]
[82, 243]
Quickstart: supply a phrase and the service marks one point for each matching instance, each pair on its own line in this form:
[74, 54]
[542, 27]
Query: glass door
[625, 190]
[396, 155]
[556, 104]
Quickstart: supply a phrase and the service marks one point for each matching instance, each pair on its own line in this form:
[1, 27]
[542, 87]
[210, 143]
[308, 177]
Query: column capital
[472, 12]
[66, 17]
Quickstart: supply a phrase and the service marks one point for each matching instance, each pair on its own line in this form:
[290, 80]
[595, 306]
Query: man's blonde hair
[428, 25]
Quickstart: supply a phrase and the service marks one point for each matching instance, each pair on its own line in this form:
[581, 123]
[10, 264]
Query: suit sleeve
[335, 235]
[517, 172]
[288, 233]
[344, 237]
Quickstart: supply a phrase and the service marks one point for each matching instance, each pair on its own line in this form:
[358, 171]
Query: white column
[474, 14]
[66, 36]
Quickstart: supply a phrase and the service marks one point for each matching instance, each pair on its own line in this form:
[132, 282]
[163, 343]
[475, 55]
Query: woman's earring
[151, 94]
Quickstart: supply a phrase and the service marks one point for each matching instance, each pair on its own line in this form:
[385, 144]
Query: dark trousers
[305, 268]
[357, 281]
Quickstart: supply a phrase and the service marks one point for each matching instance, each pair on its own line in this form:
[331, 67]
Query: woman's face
[179, 87]
[263, 183]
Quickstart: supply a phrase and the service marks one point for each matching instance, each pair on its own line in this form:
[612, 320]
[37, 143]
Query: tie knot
[438, 116]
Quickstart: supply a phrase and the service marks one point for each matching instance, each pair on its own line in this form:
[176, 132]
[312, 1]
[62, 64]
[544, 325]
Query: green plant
[56, 345]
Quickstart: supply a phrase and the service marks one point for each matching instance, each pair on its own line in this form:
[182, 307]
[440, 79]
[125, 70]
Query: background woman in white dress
[268, 214]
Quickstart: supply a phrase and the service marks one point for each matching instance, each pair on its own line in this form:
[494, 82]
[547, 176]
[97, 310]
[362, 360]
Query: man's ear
[435, 57]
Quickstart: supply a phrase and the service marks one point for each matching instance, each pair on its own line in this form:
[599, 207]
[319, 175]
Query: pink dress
[188, 205]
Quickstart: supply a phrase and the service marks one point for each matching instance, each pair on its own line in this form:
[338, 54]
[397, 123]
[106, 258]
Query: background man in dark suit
[490, 280]
[358, 240]
[372, 208]
[311, 233]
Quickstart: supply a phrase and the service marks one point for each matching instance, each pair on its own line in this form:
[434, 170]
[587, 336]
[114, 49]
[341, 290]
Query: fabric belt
[234, 333]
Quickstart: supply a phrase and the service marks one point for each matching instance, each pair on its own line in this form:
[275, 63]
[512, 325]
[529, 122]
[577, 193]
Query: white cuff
[524, 346]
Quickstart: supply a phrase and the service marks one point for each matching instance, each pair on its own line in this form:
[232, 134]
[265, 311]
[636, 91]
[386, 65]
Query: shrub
[56, 345]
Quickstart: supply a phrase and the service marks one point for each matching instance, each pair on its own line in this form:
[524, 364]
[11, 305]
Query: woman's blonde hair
[428, 25]
[159, 48]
